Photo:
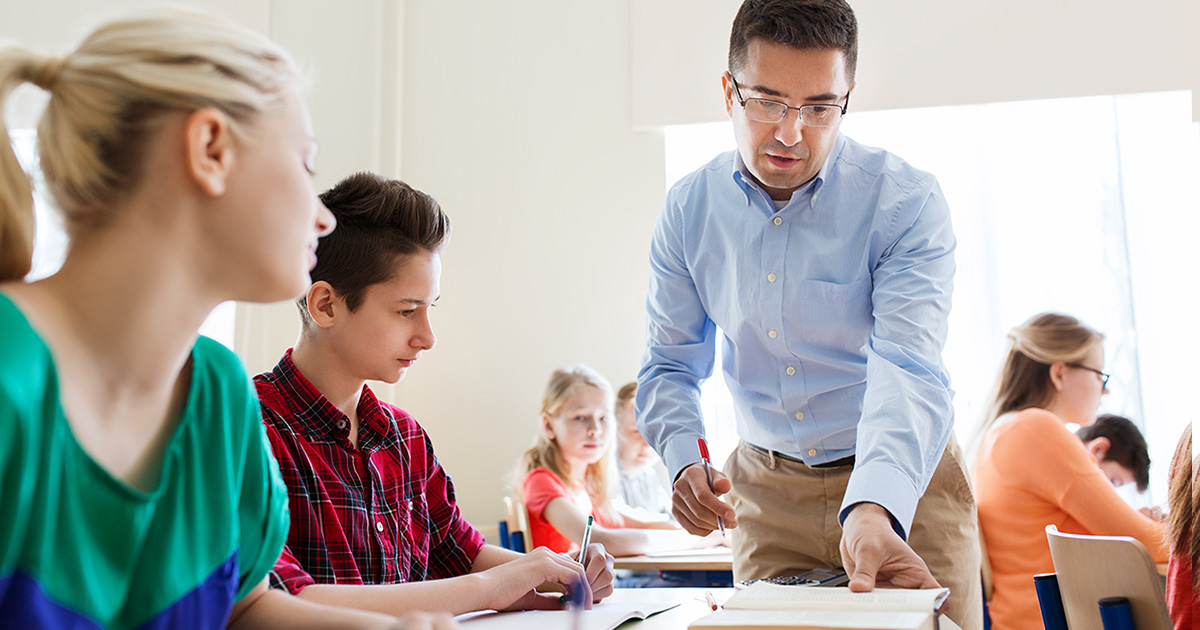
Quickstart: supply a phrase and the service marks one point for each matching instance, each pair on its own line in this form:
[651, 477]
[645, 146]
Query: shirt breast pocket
[418, 537]
[831, 316]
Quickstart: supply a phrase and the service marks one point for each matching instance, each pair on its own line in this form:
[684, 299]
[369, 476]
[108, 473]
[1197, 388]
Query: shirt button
[379, 525]
[812, 452]
[341, 424]
[778, 221]
[772, 334]
[770, 277]
[791, 370]
[800, 416]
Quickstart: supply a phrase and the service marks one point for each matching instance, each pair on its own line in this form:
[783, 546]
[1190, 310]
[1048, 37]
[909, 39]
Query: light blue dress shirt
[834, 313]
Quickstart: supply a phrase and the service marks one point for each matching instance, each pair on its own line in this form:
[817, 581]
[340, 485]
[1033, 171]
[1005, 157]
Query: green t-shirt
[79, 548]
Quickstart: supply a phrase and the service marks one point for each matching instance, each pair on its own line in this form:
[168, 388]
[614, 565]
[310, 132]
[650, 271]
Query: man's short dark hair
[378, 219]
[801, 24]
[1127, 446]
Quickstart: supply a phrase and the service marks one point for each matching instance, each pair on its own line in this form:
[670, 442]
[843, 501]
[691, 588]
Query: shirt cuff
[883, 484]
[287, 575]
[680, 452]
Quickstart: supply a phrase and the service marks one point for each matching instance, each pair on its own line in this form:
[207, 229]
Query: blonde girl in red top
[566, 476]
[1030, 471]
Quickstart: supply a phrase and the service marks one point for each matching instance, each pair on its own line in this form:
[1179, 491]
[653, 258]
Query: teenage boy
[1119, 449]
[370, 503]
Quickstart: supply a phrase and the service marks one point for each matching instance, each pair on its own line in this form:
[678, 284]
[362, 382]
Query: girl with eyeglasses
[1031, 471]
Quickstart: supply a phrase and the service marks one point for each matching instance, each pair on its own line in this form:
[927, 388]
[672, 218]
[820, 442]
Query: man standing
[827, 266]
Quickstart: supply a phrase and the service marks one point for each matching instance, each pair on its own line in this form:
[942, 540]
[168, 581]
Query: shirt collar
[745, 181]
[319, 418]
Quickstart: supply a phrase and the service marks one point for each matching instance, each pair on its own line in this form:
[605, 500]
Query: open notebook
[761, 606]
[602, 616]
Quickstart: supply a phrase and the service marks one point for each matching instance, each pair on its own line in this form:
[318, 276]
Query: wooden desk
[719, 559]
[691, 607]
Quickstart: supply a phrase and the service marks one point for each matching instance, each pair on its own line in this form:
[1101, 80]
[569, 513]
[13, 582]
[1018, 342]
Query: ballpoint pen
[708, 474]
[583, 545]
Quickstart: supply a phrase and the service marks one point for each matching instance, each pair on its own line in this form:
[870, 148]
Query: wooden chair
[517, 518]
[1092, 567]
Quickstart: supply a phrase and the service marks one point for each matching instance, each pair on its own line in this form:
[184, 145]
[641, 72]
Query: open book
[602, 616]
[761, 606]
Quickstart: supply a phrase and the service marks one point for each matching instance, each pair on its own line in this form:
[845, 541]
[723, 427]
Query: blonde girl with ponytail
[1031, 471]
[137, 490]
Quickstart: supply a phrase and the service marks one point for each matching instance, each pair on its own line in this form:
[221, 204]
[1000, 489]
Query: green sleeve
[263, 507]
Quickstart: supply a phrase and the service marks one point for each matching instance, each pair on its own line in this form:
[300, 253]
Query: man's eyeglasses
[1103, 377]
[768, 111]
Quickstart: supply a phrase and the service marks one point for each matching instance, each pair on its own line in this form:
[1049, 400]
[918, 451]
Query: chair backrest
[1092, 567]
[523, 522]
[517, 518]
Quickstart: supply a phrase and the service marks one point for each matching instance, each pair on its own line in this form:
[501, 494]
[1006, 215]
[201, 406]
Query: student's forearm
[490, 556]
[453, 595]
[272, 608]
[623, 542]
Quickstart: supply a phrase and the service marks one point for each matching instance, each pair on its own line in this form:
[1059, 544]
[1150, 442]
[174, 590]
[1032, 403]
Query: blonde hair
[1024, 380]
[625, 397]
[544, 453]
[104, 100]
[1183, 521]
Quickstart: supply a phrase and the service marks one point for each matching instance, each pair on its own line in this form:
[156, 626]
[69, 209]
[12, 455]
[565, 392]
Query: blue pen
[578, 592]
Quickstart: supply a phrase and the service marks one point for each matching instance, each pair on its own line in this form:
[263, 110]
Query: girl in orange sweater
[1030, 471]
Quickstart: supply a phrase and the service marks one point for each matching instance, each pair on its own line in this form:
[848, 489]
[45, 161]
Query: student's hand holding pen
[695, 506]
[513, 585]
[599, 570]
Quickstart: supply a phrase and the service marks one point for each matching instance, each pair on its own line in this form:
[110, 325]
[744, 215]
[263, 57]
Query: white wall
[517, 120]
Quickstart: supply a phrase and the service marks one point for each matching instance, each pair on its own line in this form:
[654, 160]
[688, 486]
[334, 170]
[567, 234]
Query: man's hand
[874, 555]
[512, 585]
[695, 506]
[599, 571]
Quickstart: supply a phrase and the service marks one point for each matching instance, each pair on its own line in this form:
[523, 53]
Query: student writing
[375, 524]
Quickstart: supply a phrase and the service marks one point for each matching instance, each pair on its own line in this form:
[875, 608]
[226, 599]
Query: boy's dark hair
[378, 219]
[1127, 446]
[797, 23]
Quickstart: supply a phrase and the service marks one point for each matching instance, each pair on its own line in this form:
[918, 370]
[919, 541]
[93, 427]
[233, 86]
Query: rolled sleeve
[288, 575]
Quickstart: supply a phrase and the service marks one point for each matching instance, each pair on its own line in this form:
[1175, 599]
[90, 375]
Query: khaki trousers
[787, 516]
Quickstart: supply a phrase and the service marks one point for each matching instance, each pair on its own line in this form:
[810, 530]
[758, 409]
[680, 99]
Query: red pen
[708, 474]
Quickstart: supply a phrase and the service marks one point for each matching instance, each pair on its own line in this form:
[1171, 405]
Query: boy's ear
[1098, 447]
[320, 301]
[209, 146]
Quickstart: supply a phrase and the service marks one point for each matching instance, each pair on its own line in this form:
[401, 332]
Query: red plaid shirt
[381, 513]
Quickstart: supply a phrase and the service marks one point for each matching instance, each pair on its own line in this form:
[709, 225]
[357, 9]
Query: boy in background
[1120, 450]
[639, 487]
[370, 503]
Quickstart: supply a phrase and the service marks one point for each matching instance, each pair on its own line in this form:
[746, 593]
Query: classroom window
[1074, 205]
[50, 238]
